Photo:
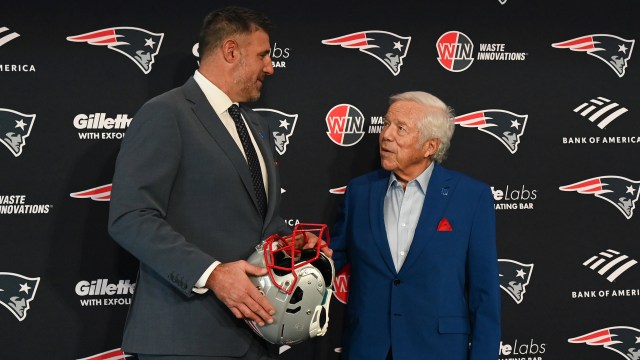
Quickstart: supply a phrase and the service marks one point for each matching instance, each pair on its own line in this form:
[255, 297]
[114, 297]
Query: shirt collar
[422, 180]
[216, 97]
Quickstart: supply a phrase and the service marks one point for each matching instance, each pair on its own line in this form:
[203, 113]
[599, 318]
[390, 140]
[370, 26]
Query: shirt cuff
[200, 288]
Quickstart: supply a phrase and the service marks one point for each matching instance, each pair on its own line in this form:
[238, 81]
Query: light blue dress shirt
[402, 208]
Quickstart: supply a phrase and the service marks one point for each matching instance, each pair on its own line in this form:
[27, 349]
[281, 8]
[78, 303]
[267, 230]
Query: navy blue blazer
[444, 303]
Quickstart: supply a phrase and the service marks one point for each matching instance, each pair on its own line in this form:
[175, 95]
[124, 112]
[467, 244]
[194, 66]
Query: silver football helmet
[298, 285]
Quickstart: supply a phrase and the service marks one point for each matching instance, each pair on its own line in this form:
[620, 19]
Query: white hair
[437, 122]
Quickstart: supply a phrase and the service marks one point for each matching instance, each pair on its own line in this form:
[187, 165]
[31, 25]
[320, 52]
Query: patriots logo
[16, 292]
[613, 50]
[387, 47]
[624, 340]
[618, 190]
[514, 278]
[281, 126]
[15, 127]
[137, 44]
[100, 193]
[501, 124]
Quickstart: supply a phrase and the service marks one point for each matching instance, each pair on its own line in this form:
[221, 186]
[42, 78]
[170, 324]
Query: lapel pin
[445, 191]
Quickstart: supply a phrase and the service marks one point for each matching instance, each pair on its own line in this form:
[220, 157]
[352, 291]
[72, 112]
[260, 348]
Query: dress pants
[257, 351]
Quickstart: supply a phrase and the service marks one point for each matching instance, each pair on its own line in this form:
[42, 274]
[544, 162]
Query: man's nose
[268, 66]
[385, 134]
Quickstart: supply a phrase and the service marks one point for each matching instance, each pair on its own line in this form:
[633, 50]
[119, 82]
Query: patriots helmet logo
[624, 340]
[281, 126]
[139, 45]
[501, 124]
[387, 47]
[15, 127]
[613, 50]
[618, 190]
[16, 292]
[514, 278]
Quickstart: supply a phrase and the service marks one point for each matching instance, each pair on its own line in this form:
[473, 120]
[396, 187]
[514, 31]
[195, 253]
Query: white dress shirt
[402, 208]
[221, 103]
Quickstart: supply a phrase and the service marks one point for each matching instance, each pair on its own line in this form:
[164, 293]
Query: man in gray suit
[186, 204]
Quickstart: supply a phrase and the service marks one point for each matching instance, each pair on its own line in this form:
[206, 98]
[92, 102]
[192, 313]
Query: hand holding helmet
[297, 284]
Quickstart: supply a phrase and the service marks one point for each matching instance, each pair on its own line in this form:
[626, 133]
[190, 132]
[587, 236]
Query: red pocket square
[444, 225]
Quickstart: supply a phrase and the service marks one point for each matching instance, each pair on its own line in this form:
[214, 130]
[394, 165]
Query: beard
[247, 86]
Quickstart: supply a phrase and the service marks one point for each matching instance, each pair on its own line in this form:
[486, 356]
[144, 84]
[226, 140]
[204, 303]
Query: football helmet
[298, 285]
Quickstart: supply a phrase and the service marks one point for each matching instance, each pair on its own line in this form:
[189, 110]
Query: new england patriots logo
[387, 47]
[501, 124]
[624, 340]
[618, 190]
[139, 45]
[613, 50]
[16, 292]
[514, 278]
[15, 127]
[281, 127]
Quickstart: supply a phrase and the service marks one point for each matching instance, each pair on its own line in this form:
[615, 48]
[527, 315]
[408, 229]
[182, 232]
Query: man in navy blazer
[421, 244]
[185, 203]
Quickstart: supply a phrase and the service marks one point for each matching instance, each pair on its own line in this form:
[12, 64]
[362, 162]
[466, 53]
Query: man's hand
[309, 241]
[230, 282]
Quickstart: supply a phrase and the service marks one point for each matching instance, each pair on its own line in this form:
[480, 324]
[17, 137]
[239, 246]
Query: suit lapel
[212, 123]
[439, 191]
[376, 213]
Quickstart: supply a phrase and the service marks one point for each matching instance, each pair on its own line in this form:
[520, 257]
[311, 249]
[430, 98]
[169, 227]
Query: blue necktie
[252, 159]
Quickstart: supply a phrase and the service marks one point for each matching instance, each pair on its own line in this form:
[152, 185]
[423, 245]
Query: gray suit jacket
[182, 197]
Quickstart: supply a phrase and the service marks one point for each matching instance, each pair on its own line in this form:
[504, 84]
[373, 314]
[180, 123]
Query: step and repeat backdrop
[546, 96]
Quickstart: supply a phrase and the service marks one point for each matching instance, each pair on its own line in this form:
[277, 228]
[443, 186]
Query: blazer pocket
[453, 325]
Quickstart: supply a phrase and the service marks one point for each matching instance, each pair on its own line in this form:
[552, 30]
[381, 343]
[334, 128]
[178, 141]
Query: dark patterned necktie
[252, 158]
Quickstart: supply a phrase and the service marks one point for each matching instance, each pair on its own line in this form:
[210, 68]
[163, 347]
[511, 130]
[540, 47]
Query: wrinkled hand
[311, 241]
[230, 283]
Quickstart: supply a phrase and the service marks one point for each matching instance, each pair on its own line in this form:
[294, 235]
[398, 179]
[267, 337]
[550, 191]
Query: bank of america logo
[601, 111]
[7, 35]
[610, 263]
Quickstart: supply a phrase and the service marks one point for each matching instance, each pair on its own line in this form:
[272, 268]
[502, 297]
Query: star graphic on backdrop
[284, 124]
[25, 287]
[21, 124]
[515, 124]
[622, 48]
[397, 45]
[149, 42]
[521, 273]
[630, 189]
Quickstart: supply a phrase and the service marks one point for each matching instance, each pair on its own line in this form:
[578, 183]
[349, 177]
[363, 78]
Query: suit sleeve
[145, 169]
[484, 288]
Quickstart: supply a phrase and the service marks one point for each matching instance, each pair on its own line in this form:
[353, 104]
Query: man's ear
[430, 147]
[230, 50]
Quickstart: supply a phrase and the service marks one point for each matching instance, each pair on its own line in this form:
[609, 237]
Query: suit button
[396, 282]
